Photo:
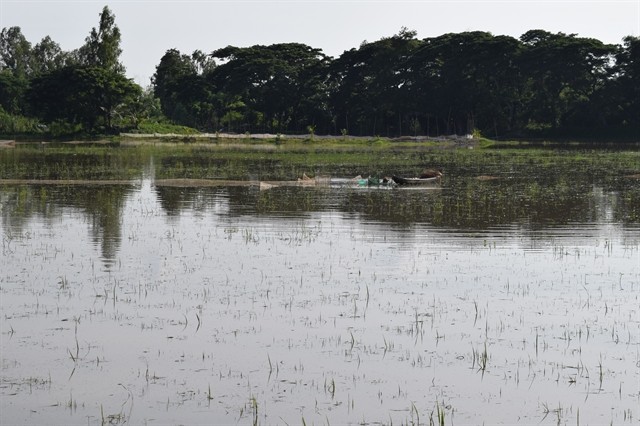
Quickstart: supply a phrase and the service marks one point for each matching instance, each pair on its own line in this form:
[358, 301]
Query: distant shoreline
[466, 138]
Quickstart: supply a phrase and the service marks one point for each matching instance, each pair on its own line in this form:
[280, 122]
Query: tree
[275, 84]
[102, 46]
[85, 88]
[47, 56]
[12, 92]
[143, 107]
[89, 96]
[562, 72]
[184, 93]
[203, 63]
[466, 81]
[15, 68]
[15, 52]
[370, 86]
[624, 90]
[166, 81]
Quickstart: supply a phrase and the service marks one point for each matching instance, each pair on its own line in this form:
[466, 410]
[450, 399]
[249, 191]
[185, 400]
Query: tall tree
[15, 52]
[102, 46]
[15, 69]
[174, 69]
[186, 96]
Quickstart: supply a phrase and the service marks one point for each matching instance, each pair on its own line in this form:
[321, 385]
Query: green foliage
[47, 56]
[83, 91]
[451, 84]
[281, 86]
[625, 93]
[142, 107]
[152, 127]
[102, 46]
[170, 76]
[90, 96]
[15, 52]
[11, 124]
[12, 92]
[565, 73]
[61, 128]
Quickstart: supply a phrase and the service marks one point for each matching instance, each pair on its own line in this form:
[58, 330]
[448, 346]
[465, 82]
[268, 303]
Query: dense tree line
[401, 85]
[82, 91]
[456, 83]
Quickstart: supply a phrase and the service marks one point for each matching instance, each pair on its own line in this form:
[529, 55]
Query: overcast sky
[150, 28]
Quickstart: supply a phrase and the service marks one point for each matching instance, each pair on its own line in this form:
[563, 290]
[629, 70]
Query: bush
[149, 127]
[16, 124]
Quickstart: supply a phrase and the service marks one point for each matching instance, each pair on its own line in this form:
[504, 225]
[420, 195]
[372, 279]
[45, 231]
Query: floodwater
[142, 303]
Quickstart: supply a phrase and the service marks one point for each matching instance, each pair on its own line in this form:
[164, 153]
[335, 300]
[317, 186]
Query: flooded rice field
[480, 300]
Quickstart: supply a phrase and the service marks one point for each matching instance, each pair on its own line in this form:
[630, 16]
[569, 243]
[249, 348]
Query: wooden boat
[431, 173]
[414, 180]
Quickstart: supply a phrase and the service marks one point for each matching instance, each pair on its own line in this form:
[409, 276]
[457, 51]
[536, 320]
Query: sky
[150, 28]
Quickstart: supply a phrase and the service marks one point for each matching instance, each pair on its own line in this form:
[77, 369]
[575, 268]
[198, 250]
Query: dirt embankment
[454, 138]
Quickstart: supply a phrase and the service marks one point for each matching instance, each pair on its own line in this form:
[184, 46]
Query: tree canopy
[83, 90]
[457, 83]
[102, 46]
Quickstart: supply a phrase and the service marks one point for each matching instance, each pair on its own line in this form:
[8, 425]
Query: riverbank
[263, 141]
[308, 136]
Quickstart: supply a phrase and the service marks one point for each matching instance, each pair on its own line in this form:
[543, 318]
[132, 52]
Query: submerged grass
[287, 160]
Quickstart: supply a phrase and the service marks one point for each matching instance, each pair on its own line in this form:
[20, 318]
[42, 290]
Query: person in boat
[431, 173]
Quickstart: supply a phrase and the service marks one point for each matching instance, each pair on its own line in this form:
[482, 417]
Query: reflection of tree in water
[172, 199]
[465, 203]
[102, 205]
[175, 200]
[627, 208]
[20, 203]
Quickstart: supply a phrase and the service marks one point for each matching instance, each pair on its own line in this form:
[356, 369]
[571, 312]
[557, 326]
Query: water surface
[495, 301]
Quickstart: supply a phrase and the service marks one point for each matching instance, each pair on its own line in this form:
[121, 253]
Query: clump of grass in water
[254, 410]
[331, 388]
[480, 358]
[484, 358]
[415, 410]
[440, 416]
[209, 394]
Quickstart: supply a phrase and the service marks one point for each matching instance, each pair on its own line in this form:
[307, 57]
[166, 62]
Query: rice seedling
[254, 411]
[331, 388]
[75, 354]
[414, 411]
[440, 416]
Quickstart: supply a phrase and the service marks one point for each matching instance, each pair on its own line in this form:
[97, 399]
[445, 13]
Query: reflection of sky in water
[204, 292]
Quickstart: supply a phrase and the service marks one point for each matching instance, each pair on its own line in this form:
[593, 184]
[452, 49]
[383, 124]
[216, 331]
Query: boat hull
[414, 181]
